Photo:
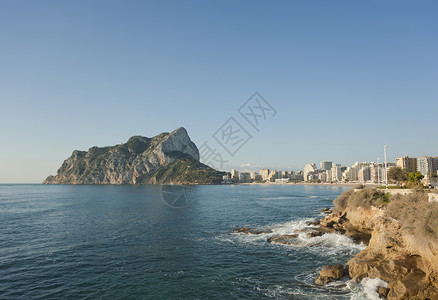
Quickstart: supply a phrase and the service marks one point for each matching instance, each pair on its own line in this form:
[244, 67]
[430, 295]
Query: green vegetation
[187, 170]
[404, 178]
[398, 174]
[138, 144]
[415, 180]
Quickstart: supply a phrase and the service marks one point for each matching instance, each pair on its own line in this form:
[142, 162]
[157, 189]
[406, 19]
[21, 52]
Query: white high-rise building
[426, 165]
[308, 170]
[265, 174]
[325, 165]
[336, 173]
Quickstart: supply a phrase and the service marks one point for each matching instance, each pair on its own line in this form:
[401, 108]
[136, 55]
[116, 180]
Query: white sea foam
[368, 289]
[331, 242]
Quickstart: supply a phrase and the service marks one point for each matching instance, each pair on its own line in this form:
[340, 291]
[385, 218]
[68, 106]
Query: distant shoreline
[303, 183]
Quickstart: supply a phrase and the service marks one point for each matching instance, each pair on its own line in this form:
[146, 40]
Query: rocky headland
[401, 235]
[165, 158]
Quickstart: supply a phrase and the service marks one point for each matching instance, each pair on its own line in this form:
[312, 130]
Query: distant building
[426, 165]
[408, 163]
[265, 174]
[323, 176]
[226, 178]
[296, 177]
[234, 174]
[336, 173]
[273, 175]
[282, 180]
[364, 174]
[325, 165]
[257, 178]
[244, 177]
[309, 169]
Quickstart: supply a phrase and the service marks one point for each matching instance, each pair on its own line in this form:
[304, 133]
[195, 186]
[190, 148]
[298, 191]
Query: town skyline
[330, 172]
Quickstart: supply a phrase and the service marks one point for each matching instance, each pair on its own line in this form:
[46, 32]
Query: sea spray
[367, 289]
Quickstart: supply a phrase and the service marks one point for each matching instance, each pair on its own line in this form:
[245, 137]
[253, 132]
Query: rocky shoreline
[393, 254]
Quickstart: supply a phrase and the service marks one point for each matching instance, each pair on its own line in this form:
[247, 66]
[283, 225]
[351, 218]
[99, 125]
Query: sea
[169, 242]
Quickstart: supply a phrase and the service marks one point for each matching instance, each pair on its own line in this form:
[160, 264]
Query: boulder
[314, 234]
[383, 292]
[330, 273]
[285, 239]
[315, 223]
[247, 230]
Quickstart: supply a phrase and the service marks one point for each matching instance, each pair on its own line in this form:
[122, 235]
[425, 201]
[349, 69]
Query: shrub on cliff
[341, 201]
[415, 213]
[363, 198]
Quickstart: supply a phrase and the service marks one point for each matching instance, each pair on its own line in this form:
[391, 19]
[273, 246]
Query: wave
[343, 289]
[332, 243]
[367, 289]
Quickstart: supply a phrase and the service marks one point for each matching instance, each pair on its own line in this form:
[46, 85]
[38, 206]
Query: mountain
[165, 158]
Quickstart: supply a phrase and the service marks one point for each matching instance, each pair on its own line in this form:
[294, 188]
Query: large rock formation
[399, 258]
[406, 259]
[165, 158]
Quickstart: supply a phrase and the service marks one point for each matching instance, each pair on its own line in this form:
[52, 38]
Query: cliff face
[165, 158]
[404, 258]
[395, 256]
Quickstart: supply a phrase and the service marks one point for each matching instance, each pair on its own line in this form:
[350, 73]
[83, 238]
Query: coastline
[405, 262]
[301, 183]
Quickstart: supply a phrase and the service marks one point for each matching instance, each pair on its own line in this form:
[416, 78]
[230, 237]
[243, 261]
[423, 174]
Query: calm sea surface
[124, 242]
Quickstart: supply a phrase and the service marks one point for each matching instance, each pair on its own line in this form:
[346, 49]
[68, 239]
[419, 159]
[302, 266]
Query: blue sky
[346, 78]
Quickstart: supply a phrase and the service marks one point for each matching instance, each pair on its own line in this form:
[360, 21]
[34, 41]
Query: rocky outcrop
[406, 260]
[165, 158]
[393, 257]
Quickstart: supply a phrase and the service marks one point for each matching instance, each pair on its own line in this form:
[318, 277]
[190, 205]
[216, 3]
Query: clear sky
[345, 77]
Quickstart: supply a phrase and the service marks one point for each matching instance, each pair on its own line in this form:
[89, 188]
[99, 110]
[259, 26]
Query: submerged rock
[285, 239]
[248, 230]
[314, 234]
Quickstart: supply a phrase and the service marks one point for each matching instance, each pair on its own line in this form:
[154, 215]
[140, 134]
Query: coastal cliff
[403, 245]
[165, 158]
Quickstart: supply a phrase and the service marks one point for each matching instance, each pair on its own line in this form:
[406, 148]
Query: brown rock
[247, 230]
[322, 280]
[286, 239]
[332, 271]
[329, 273]
[327, 223]
[315, 223]
[383, 292]
[314, 234]
[326, 210]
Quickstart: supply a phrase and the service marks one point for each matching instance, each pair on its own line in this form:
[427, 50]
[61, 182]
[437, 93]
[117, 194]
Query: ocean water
[125, 242]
